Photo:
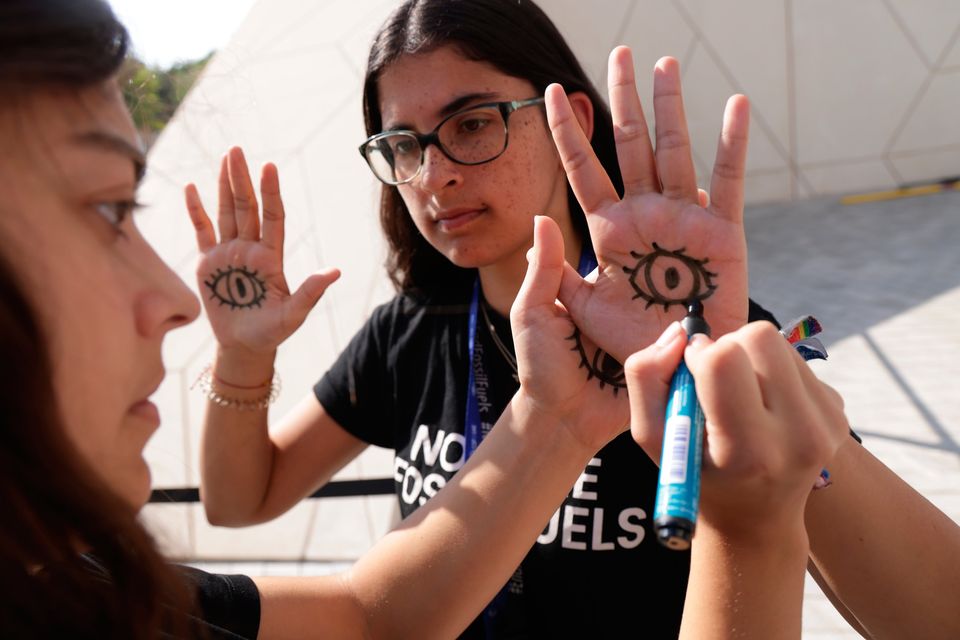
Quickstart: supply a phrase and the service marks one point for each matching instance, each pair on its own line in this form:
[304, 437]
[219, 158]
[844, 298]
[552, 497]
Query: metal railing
[334, 489]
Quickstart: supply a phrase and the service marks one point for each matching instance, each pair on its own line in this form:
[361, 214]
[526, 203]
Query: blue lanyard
[473, 427]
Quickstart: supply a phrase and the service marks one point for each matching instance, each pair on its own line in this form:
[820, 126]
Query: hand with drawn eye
[552, 356]
[662, 244]
[240, 277]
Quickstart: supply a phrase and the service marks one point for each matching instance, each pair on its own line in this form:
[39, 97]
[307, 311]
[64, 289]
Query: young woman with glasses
[453, 102]
[460, 138]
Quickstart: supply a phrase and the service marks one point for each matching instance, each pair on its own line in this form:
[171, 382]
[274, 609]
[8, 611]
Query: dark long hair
[518, 39]
[74, 561]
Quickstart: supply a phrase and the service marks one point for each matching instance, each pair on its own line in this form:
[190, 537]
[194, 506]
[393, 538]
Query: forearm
[740, 588]
[443, 564]
[887, 553]
[236, 454]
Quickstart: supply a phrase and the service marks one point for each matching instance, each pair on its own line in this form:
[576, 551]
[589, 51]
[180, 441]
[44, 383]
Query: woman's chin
[136, 492]
[469, 257]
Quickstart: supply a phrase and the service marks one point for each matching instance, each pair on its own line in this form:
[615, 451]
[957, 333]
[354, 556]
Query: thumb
[648, 373]
[693, 354]
[544, 268]
[305, 298]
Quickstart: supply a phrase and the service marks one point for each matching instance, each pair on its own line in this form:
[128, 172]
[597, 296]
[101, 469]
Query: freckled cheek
[524, 188]
[416, 209]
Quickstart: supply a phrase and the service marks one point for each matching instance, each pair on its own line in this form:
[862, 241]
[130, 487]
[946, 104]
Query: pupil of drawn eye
[671, 278]
[602, 366]
[237, 288]
[608, 365]
[684, 277]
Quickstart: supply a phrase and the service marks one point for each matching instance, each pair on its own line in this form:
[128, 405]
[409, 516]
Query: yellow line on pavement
[902, 192]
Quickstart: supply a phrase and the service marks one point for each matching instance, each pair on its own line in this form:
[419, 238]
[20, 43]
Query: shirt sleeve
[756, 312]
[357, 390]
[229, 604]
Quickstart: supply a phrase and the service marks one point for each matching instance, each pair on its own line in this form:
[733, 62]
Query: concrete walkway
[884, 280]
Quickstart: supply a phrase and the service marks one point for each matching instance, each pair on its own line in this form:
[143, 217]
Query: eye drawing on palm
[237, 288]
[601, 366]
[664, 277]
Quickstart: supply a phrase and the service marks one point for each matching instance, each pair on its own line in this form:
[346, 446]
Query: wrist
[750, 584]
[543, 423]
[227, 395]
[776, 536]
[778, 560]
[241, 369]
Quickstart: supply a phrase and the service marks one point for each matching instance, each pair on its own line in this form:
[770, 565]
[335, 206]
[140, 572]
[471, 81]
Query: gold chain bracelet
[205, 381]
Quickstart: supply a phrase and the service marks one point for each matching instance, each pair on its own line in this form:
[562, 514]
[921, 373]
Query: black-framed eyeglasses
[472, 136]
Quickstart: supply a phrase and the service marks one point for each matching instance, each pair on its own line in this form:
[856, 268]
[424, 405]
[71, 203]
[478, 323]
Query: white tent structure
[850, 96]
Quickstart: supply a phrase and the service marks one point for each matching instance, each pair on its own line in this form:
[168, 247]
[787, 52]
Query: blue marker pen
[678, 488]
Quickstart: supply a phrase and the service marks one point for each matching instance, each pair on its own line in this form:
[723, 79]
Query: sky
[179, 30]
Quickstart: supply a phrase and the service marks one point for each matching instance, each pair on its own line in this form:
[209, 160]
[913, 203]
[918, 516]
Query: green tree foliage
[153, 94]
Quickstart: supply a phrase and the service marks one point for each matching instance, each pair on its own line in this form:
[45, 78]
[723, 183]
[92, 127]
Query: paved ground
[884, 280]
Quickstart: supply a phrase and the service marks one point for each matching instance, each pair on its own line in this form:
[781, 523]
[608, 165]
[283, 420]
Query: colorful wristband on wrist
[801, 333]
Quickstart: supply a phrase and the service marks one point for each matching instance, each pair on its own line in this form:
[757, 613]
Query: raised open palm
[241, 280]
[551, 355]
[661, 245]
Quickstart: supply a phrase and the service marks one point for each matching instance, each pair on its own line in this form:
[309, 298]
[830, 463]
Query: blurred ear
[583, 110]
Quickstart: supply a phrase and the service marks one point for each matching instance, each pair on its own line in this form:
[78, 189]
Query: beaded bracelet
[206, 381]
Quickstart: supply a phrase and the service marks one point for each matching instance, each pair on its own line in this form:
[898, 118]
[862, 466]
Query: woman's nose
[438, 171]
[167, 302]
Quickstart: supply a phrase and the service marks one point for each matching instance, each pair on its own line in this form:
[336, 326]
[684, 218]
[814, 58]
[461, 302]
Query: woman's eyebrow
[111, 142]
[459, 103]
[451, 107]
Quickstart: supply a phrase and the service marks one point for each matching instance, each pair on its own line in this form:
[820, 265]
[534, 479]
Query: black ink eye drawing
[669, 277]
[237, 287]
[602, 366]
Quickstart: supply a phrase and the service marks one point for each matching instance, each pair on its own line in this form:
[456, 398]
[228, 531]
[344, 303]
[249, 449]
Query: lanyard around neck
[473, 426]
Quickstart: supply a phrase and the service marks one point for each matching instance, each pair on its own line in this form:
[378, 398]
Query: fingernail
[670, 334]
[697, 340]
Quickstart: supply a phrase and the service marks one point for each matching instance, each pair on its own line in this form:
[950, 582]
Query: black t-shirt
[229, 604]
[597, 570]
[225, 607]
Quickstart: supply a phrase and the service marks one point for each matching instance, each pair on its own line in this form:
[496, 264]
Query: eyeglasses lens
[471, 137]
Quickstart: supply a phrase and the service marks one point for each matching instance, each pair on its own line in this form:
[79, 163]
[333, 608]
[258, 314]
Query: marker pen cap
[674, 533]
[693, 322]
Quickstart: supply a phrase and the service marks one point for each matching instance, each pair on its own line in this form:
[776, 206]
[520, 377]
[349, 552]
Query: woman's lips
[454, 219]
[147, 411]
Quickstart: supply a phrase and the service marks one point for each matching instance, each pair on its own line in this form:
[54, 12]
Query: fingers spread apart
[587, 176]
